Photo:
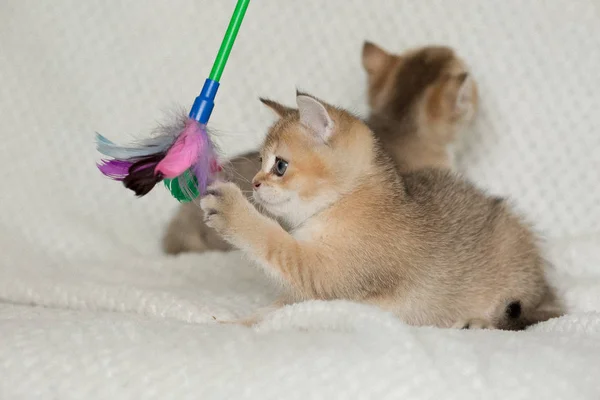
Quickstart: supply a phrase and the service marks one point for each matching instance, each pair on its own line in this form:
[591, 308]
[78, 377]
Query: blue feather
[147, 147]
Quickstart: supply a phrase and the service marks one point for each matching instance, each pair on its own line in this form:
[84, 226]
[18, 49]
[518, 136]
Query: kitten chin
[425, 245]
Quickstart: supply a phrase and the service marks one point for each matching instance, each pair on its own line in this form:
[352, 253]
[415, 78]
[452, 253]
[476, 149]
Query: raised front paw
[224, 207]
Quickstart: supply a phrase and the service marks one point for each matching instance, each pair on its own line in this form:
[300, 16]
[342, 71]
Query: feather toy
[186, 161]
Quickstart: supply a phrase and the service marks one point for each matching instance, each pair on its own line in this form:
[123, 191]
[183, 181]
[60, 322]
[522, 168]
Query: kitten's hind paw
[473, 323]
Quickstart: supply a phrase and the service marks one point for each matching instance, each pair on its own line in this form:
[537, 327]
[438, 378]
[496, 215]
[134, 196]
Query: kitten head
[310, 158]
[433, 77]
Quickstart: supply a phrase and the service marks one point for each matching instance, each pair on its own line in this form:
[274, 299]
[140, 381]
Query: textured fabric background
[120, 319]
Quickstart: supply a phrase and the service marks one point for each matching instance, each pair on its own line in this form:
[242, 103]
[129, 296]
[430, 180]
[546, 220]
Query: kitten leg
[292, 262]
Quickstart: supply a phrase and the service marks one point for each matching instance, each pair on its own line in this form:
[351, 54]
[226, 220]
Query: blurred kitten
[419, 102]
[425, 245]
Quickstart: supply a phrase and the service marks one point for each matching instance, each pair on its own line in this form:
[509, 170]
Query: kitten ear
[465, 94]
[279, 108]
[374, 58]
[314, 116]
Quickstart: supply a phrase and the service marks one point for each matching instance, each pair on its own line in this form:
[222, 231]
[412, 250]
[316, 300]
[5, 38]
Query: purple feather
[115, 169]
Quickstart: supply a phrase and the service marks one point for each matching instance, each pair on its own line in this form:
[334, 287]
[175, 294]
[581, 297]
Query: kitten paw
[474, 323]
[223, 206]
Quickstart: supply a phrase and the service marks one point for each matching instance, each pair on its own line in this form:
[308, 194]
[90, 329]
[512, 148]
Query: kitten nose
[256, 184]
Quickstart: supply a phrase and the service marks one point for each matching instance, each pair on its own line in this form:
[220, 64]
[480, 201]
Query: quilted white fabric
[91, 309]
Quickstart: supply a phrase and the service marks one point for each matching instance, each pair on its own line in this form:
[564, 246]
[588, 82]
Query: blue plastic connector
[205, 102]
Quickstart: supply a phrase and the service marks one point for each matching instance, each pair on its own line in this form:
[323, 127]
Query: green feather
[174, 186]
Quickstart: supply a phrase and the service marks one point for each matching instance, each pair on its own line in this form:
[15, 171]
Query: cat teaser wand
[187, 161]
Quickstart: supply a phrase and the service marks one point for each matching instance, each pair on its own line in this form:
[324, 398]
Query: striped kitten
[425, 245]
[419, 102]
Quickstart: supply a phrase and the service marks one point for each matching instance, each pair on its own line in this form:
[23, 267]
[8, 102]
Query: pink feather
[184, 152]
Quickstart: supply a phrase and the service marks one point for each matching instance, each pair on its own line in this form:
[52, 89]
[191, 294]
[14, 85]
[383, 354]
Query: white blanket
[91, 309]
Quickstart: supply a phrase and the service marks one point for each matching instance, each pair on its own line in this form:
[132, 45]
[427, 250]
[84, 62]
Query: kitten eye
[280, 167]
[260, 159]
